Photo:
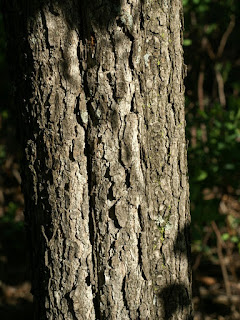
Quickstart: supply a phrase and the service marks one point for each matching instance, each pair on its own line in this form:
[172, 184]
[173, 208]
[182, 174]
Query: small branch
[221, 260]
[221, 92]
[201, 99]
[207, 45]
[199, 256]
[226, 36]
[200, 89]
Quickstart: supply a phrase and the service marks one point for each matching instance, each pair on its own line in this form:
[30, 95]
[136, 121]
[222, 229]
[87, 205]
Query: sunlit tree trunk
[99, 88]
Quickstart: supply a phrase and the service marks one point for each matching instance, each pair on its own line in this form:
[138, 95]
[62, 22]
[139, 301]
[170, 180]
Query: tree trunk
[101, 100]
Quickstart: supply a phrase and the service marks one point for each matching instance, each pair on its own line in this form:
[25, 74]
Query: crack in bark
[127, 179]
[44, 22]
[112, 83]
[92, 222]
[132, 103]
[140, 258]
[71, 305]
[130, 58]
[124, 294]
[112, 215]
[92, 229]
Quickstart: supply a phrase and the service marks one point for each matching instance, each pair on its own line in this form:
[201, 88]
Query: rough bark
[101, 95]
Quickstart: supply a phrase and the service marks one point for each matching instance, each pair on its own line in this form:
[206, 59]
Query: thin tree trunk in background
[101, 96]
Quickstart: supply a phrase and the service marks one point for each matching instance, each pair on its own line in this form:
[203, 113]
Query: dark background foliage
[212, 50]
[212, 54]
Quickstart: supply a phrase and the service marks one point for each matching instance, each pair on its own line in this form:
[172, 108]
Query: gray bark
[101, 95]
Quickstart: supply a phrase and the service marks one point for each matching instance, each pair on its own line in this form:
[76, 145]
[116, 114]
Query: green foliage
[2, 153]
[187, 42]
[212, 109]
[11, 212]
[216, 160]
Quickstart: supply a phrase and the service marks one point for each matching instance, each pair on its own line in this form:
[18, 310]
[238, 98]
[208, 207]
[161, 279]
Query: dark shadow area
[211, 50]
[15, 296]
[177, 296]
[23, 310]
[99, 13]
[13, 253]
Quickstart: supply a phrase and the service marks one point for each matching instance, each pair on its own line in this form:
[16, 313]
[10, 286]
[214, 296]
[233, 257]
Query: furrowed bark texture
[104, 171]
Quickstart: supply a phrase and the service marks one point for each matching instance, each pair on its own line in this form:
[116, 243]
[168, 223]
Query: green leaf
[203, 114]
[4, 114]
[203, 8]
[229, 166]
[210, 28]
[225, 236]
[187, 42]
[202, 175]
[229, 125]
[234, 239]
[2, 152]
[221, 145]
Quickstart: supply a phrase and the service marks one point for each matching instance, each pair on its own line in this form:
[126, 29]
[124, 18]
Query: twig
[221, 92]
[201, 100]
[226, 36]
[199, 256]
[200, 88]
[222, 263]
[207, 45]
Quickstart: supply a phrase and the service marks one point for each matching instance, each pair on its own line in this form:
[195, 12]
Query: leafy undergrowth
[213, 129]
[15, 296]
